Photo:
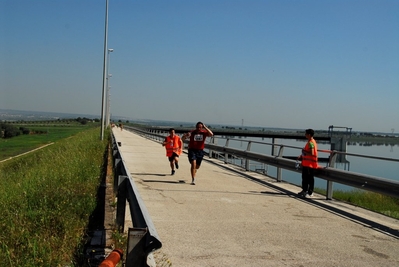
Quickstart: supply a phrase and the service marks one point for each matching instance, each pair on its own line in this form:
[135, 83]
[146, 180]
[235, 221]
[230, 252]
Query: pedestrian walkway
[235, 218]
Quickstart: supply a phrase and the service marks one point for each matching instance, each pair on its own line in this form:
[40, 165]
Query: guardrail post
[226, 155]
[121, 203]
[115, 150]
[279, 170]
[331, 164]
[212, 142]
[136, 254]
[117, 166]
[329, 190]
[273, 147]
[247, 167]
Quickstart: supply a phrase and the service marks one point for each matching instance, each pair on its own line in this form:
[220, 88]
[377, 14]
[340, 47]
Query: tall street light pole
[104, 72]
[108, 118]
[110, 50]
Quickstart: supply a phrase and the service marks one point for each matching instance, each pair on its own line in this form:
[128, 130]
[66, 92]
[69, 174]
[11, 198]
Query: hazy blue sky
[289, 64]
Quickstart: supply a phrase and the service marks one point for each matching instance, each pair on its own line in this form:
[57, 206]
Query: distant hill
[17, 115]
[24, 115]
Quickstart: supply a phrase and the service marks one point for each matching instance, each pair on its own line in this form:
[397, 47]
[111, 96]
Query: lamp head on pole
[110, 50]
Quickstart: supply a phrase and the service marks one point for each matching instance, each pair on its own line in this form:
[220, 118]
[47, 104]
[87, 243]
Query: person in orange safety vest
[309, 164]
[173, 145]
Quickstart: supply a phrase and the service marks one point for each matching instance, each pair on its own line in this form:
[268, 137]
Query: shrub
[9, 130]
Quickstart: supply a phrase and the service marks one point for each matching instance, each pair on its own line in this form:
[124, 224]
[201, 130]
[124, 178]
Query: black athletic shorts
[196, 154]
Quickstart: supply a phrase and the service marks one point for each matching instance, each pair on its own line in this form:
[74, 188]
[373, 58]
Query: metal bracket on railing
[121, 203]
[136, 247]
[333, 158]
[280, 152]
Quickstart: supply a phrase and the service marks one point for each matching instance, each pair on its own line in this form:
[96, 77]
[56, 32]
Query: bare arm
[185, 136]
[210, 133]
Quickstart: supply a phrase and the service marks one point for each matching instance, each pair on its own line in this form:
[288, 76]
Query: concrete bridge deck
[231, 219]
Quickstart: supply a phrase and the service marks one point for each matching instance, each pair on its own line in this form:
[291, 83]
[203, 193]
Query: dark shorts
[172, 158]
[195, 154]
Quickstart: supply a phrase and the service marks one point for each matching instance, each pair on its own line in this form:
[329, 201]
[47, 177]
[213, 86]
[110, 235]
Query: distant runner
[173, 145]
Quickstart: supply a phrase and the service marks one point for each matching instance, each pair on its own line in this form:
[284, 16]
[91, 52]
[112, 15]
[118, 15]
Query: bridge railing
[330, 174]
[143, 238]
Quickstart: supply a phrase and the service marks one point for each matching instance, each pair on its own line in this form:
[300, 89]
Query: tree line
[7, 130]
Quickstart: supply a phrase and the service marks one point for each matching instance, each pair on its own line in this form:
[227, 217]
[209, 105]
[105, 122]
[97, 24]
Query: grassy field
[47, 198]
[386, 205]
[11, 147]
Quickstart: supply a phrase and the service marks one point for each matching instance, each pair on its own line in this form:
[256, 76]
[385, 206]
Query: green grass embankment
[386, 205]
[46, 199]
[379, 203]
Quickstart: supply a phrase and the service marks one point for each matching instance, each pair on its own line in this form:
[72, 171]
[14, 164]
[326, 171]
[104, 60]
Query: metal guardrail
[329, 173]
[143, 238]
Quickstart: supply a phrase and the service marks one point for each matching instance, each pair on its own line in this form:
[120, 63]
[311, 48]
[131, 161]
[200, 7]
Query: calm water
[374, 167]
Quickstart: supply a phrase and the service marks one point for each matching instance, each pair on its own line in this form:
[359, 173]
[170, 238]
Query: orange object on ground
[113, 258]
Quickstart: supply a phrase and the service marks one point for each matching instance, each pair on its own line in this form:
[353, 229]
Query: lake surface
[379, 168]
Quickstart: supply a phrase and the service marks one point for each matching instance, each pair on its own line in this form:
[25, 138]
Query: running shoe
[302, 193]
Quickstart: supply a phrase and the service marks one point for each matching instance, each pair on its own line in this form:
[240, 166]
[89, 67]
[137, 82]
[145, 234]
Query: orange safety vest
[173, 145]
[309, 160]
